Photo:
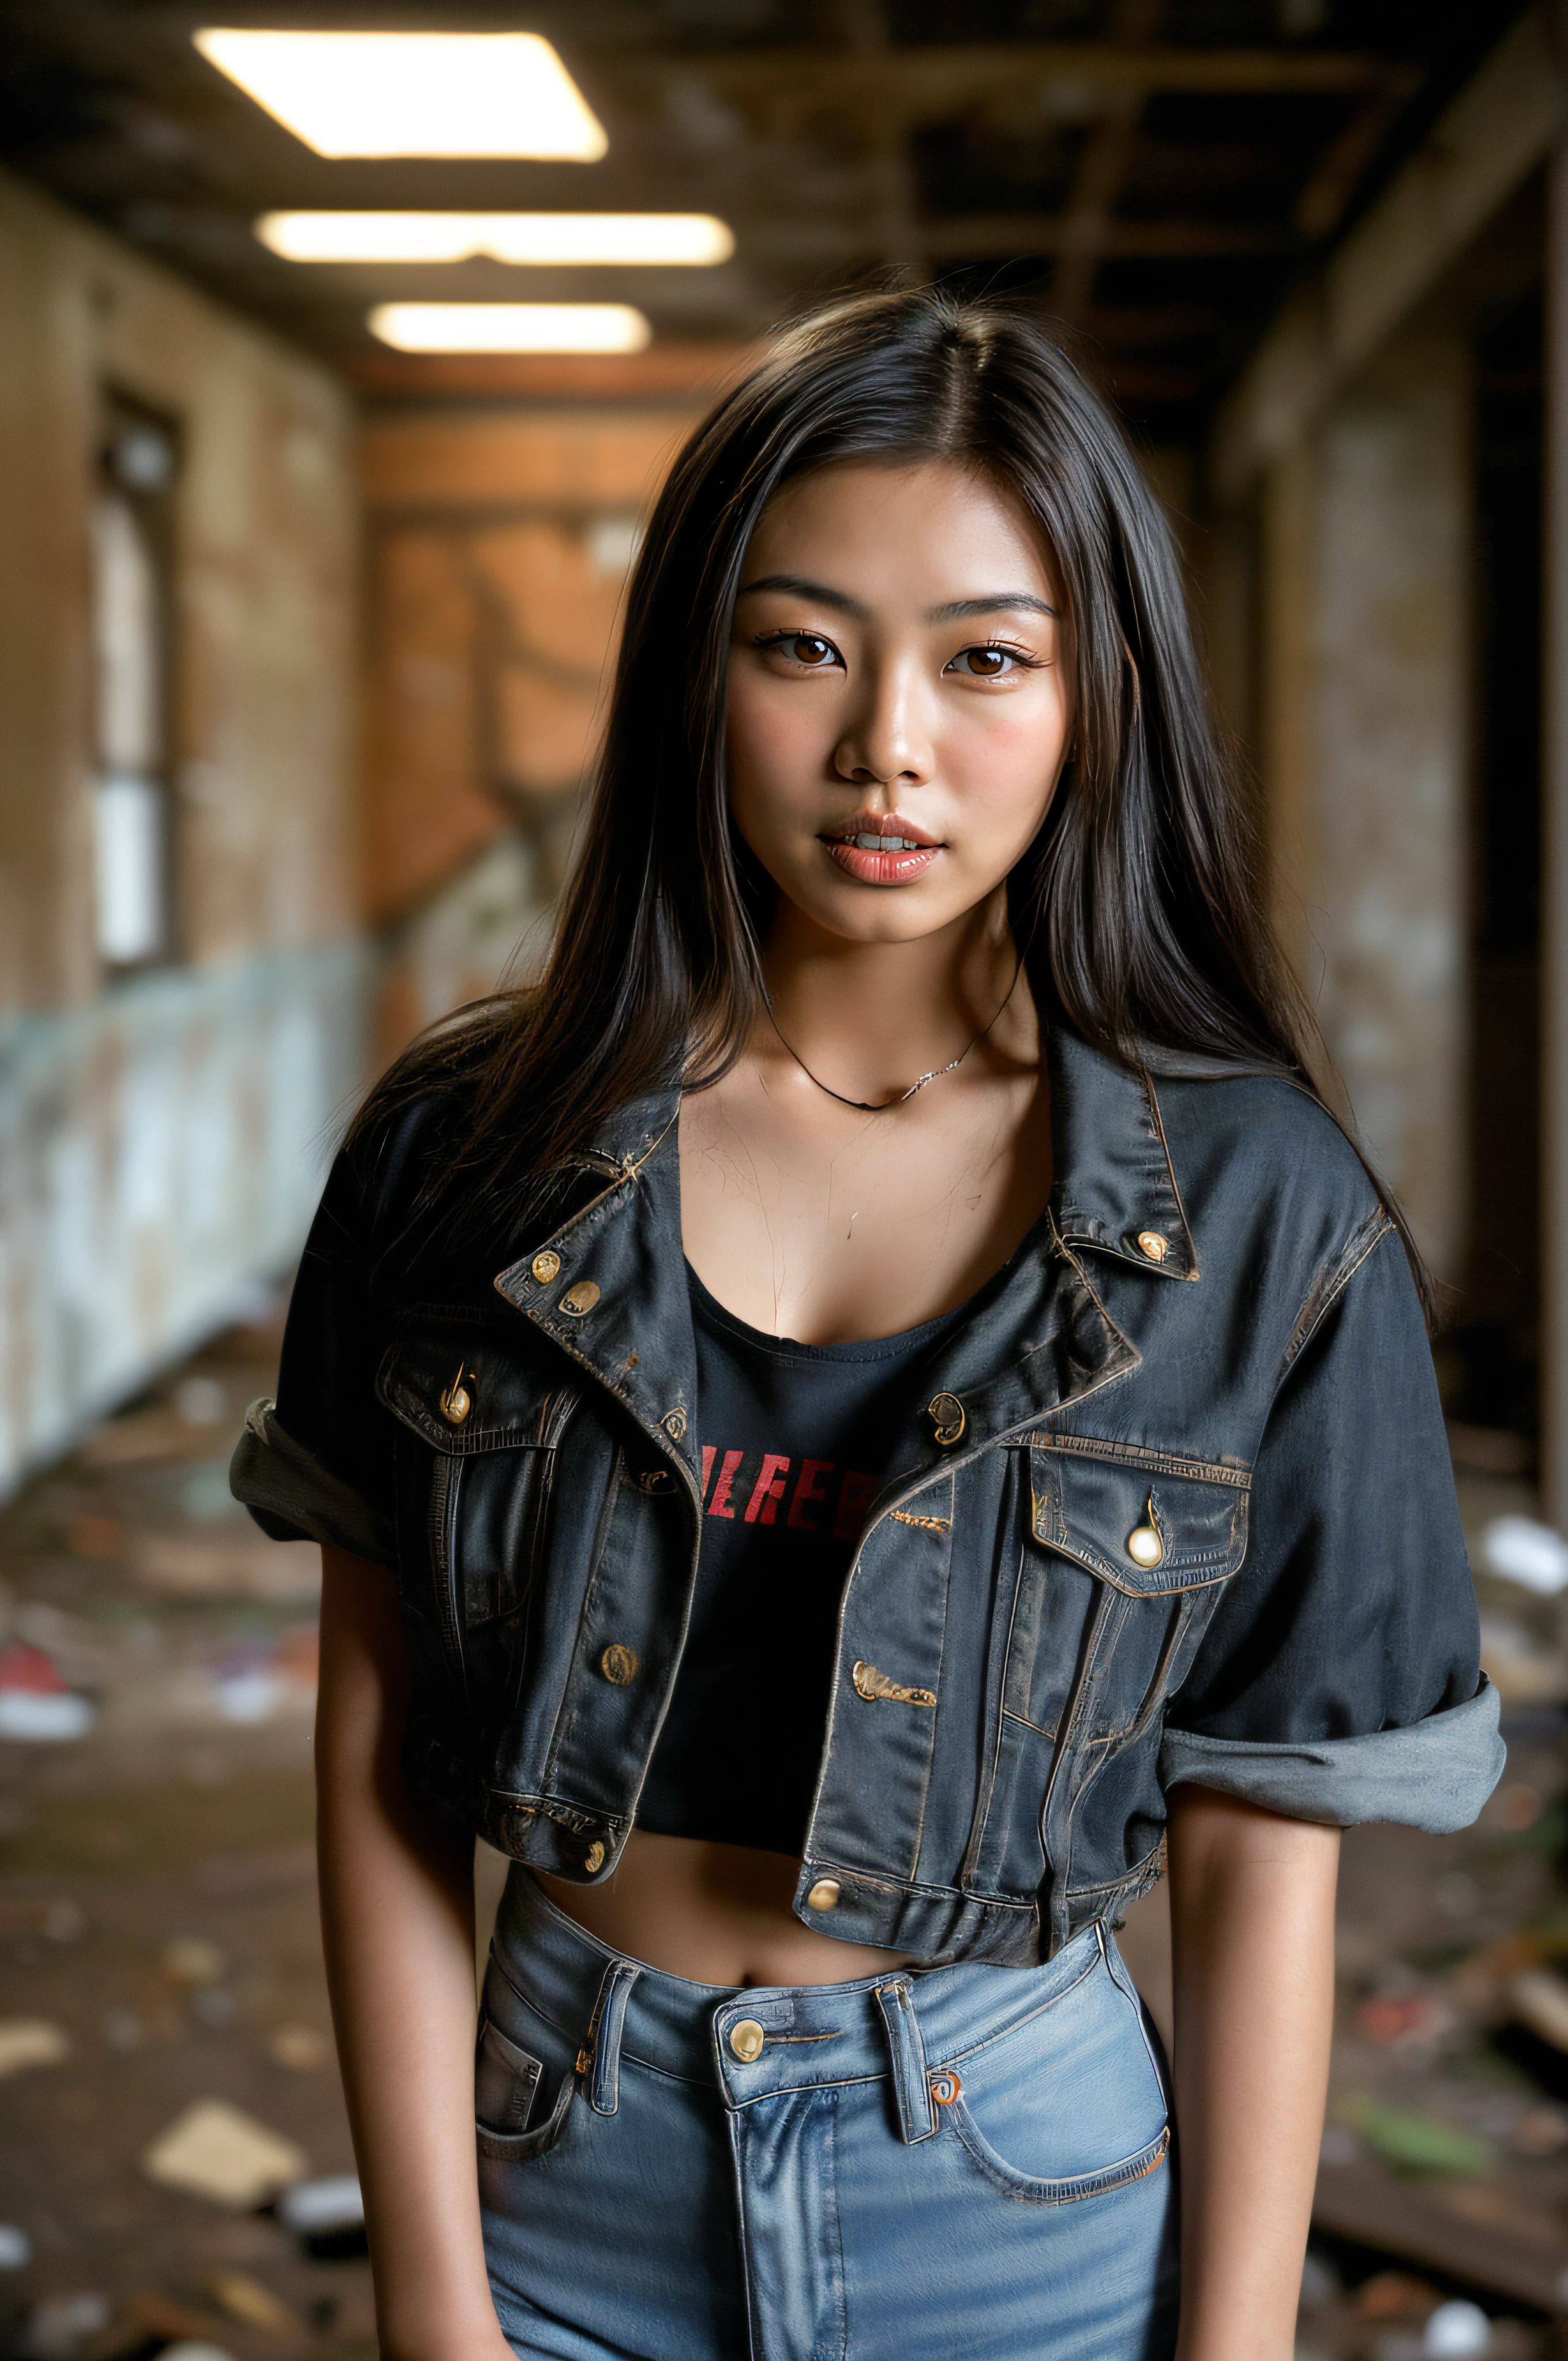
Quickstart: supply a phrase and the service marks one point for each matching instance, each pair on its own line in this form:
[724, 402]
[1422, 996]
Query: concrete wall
[1365, 738]
[1391, 641]
[159, 1139]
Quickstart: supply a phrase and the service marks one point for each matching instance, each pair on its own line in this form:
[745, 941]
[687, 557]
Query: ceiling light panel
[412, 93]
[511, 327]
[691, 240]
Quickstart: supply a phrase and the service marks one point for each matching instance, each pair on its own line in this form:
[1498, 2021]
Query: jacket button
[1152, 1244]
[1144, 1546]
[456, 1401]
[618, 1664]
[747, 2039]
[546, 1266]
[824, 1895]
[674, 1423]
[949, 1413]
[593, 1860]
[580, 1299]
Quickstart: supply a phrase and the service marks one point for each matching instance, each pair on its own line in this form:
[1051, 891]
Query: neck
[870, 1018]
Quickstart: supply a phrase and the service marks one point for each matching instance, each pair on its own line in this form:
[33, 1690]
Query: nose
[887, 740]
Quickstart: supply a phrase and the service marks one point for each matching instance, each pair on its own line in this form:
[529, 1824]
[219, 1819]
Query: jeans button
[747, 2039]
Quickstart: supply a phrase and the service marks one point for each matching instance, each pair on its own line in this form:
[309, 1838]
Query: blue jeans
[916, 2166]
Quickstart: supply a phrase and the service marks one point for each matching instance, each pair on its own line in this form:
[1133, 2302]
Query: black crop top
[794, 1442]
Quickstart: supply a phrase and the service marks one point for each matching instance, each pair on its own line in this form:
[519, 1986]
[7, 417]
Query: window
[133, 611]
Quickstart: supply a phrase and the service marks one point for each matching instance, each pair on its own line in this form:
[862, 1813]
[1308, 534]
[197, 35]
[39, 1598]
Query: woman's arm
[1252, 1905]
[397, 1888]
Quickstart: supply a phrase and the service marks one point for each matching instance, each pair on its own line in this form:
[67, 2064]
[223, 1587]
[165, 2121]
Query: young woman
[869, 1403]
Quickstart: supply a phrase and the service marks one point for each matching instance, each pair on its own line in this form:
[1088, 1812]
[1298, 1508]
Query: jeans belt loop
[916, 2115]
[604, 2035]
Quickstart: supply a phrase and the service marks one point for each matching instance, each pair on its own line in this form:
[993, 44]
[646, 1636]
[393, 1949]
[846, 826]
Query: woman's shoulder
[416, 1123]
[1259, 1137]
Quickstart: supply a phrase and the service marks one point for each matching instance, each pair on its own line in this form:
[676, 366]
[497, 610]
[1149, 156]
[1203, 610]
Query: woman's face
[896, 674]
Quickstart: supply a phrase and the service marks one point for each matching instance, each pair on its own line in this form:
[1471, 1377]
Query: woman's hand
[397, 1886]
[1252, 1900]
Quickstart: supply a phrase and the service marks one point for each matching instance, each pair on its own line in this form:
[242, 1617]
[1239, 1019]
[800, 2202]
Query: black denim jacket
[1178, 1507]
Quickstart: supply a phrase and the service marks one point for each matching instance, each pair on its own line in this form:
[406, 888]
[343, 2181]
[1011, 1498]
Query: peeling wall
[159, 1150]
[158, 1139]
[500, 540]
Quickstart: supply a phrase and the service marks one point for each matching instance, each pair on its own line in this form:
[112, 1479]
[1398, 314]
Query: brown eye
[807, 649]
[985, 664]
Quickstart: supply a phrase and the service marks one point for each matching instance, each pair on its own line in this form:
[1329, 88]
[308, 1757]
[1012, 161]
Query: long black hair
[1142, 899]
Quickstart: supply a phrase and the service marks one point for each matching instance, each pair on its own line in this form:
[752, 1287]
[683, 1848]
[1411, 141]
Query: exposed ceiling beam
[1334, 179]
[987, 236]
[893, 206]
[926, 82]
[1495, 132]
[1104, 167]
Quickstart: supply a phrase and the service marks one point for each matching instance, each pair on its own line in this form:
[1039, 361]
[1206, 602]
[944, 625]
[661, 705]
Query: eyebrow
[955, 610]
[958, 610]
[805, 589]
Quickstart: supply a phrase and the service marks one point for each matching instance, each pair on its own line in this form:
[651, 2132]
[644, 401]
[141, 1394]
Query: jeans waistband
[914, 2024]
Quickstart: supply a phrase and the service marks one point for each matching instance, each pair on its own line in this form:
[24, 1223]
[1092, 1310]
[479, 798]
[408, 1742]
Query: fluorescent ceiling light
[412, 93]
[511, 327]
[509, 237]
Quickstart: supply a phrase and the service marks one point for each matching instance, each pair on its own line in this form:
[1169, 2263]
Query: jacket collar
[1114, 1185]
[611, 1286]
[1016, 1362]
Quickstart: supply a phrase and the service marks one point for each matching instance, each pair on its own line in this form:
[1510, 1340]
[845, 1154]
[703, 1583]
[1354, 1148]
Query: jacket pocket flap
[1150, 1522]
[464, 1390]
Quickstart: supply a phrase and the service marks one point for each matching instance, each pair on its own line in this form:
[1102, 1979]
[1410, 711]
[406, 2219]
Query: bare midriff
[717, 1914]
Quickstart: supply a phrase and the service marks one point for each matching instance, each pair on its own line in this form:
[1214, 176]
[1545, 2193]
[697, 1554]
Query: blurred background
[338, 368]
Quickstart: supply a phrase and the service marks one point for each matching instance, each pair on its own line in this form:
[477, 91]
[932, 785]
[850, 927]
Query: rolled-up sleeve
[1340, 1678]
[316, 1463]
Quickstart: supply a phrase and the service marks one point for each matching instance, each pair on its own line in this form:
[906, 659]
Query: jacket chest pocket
[481, 1430]
[1135, 1547]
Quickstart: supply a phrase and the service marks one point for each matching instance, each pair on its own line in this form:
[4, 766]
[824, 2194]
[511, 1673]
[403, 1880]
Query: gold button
[593, 1860]
[949, 1413]
[618, 1664]
[580, 1299]
[546, 1266]
[456, 1401]
[1144, 1546]
[824, 1895]
[674, 1423]
[747, 2039]
[1151, 1242]
[945, 2086]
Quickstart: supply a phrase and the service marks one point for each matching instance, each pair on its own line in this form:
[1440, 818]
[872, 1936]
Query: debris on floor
[38, 1704]
[158, 1913]
[30, 2041]
[217, 2151]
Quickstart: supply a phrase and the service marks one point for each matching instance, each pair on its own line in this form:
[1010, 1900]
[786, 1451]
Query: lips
[882, 848]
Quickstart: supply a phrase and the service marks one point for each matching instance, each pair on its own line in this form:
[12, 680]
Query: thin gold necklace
[882, 1106]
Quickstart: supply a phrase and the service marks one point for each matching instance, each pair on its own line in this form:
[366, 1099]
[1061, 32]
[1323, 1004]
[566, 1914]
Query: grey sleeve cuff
[293, 1497]
[1435, 1775]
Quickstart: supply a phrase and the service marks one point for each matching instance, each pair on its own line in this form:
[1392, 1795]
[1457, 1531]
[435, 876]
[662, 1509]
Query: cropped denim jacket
[1175, 1505]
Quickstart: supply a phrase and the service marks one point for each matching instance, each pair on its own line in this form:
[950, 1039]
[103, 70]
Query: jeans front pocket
[1069, 2104]
[512, 2081]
